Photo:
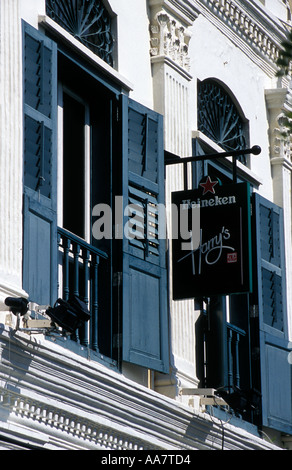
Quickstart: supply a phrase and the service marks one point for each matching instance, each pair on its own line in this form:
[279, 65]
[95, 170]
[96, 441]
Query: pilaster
[10, 151]
[169, 50]
[277, 101]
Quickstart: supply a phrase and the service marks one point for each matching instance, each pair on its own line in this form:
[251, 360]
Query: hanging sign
[216, 259]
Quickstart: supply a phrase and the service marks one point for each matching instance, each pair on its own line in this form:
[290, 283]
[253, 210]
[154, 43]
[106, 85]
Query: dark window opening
[88, 138]
[73, 166]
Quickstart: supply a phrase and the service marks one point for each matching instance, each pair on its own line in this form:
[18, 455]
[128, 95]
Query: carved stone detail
[170, 38]
[279, 100]
[246, 26]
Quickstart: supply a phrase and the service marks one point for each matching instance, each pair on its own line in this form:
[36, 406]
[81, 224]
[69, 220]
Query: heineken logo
[216, 201]
[208, 187]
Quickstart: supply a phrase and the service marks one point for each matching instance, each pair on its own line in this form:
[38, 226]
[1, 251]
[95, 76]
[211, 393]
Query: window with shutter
[64, 260]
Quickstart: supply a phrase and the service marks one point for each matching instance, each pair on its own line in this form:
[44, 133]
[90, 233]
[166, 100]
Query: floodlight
[241, 400]
[69, 315]
[18, 305]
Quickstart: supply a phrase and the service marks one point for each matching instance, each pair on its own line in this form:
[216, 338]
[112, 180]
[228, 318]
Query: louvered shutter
[40, 153]
[144, 277]
[275, 368]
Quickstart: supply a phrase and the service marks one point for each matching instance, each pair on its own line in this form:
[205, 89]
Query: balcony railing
[234, 336]
[79, 269]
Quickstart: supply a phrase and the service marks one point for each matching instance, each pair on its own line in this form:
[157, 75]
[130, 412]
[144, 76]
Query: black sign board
[218, 262]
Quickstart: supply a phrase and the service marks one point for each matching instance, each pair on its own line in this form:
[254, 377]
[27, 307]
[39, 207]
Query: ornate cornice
[247, 24]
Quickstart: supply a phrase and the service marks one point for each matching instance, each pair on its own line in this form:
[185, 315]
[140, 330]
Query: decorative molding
[278, 100]
[249, 26]
[170, 38]
[90, 432]
[218, 117]
[55, 399]
[86, 20]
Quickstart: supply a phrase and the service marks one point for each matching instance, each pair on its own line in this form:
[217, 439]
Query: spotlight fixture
[70, 315]
[241, 400]
[18, 305]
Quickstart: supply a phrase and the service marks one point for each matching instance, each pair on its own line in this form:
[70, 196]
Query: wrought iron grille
[218, 117]
[88, 21]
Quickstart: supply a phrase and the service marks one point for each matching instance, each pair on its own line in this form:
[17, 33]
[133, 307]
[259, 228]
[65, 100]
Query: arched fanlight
[88, 21]
[218, 117]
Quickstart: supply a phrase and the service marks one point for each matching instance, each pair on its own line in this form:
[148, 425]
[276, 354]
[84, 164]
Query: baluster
[94, 293]
[84, 330]
[59, 241]
[230, 361]
[237, 373]
[76, 252]
[66, 290]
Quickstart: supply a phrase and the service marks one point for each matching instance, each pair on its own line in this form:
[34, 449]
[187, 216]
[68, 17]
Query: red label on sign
[232, 258]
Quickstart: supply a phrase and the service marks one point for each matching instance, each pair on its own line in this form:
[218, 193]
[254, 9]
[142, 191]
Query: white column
[171, 79]
[11, 152]
[281, 167]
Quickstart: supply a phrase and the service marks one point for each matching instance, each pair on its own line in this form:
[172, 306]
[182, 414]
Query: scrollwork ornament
[88, 21]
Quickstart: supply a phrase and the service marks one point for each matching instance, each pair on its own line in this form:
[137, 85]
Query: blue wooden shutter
[40, 153]
[275, 369]
[145, 317]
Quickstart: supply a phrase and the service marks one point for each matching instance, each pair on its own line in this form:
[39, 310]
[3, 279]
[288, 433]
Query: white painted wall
[245, 80]
[30, 9]
[133, 47]
[278, 8]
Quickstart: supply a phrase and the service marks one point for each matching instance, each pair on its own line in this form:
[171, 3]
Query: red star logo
[208, 186]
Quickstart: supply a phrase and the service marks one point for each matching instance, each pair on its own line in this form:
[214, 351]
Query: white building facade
[95, 98]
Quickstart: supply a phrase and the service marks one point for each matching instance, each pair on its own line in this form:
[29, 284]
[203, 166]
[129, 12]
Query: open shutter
[275, 368]
[145, 318]
[40, 111]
